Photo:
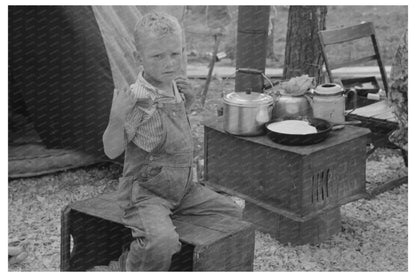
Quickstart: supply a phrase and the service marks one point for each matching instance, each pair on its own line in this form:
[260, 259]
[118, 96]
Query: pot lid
[248, 99]
[329, 89]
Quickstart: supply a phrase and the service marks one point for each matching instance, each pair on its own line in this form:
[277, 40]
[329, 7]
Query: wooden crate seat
[222, 244]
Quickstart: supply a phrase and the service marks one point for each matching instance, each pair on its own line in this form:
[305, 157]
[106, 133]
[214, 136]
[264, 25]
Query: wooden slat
[192, 230]
[372, 109]
[354, 62]
[197, 230]
[196, 235]
[391, 117]
[388, 186]
[378, 110]
[223, 224]
[65, 239]
[108, 210]
[347, 34]
[385, 115]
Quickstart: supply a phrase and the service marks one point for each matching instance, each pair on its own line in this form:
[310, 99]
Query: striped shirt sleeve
[144, 124]
[142, 110]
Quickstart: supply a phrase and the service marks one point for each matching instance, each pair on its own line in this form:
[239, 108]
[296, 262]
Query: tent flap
[59, 64]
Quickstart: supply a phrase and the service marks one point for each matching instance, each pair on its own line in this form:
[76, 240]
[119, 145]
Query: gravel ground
[374, 233]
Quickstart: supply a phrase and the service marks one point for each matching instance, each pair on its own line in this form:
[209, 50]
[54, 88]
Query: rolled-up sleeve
[142, 110]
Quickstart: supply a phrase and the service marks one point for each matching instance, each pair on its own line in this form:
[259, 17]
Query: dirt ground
[373, 237]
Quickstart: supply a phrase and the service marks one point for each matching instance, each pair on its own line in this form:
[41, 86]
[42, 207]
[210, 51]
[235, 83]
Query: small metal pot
[291, 105]
[245, 113]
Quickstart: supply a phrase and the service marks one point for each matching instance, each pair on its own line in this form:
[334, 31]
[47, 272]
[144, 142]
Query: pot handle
[354, 97]
[339, 125]
[309, 96]
[257, 71]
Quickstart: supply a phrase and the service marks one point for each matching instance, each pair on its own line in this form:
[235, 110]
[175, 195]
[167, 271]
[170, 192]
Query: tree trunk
[303, 52]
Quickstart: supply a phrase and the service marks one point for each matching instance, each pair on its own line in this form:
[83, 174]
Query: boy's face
[161, 58]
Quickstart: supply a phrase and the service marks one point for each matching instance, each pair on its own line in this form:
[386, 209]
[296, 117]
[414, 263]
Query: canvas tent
[64, 63]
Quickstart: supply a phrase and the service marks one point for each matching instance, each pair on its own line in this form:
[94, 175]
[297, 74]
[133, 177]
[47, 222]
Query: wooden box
[297, 232]
[297, 182]
[224, 244]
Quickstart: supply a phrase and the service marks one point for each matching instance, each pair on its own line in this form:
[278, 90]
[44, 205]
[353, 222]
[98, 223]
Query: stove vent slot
[320, 186]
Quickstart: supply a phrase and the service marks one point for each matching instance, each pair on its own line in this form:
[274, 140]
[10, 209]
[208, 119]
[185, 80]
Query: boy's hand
[185, 87]
[113, 137]
[123, 102]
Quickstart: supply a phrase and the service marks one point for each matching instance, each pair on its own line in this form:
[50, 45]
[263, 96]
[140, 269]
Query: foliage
[389, 21]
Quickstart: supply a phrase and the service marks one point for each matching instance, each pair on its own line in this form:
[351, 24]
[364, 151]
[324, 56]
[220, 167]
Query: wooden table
[379, 118]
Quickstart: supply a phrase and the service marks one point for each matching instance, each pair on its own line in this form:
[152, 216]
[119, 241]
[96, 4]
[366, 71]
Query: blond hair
[155, 24]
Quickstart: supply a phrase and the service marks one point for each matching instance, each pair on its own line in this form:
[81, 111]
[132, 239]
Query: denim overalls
[157, 187]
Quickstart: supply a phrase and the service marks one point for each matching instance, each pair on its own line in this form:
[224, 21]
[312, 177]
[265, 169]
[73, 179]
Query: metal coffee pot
[328, 102]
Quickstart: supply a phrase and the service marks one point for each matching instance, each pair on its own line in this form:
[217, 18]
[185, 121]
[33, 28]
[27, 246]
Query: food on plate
[293, 127]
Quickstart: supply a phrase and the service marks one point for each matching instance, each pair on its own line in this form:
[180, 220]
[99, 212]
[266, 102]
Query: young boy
[149, 123]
